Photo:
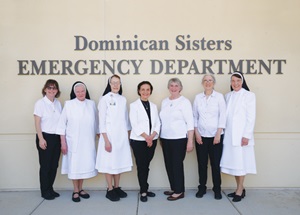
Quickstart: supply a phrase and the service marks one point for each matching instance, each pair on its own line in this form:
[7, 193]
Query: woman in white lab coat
[145, 125]
[238, 158]
[113, 156]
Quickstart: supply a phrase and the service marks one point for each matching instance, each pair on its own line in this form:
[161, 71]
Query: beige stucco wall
[45, 30]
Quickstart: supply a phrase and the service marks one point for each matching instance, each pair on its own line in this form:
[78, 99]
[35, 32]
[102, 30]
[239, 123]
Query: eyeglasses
[52, 88]
[208, 81]
[115, 83]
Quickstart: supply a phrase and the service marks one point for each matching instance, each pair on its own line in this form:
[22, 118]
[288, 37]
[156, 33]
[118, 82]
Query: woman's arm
[107, 145]
[42, 141]
[190, 145]
[64, 146]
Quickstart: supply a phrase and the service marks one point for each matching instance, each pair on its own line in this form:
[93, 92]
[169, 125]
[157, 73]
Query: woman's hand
[189, 146]
[64, 147]
[245, 141]
[199, 140]
[42, 141]
[149, 141]
[198, 137]
[108, 146]
[43, 144]
[217, 139]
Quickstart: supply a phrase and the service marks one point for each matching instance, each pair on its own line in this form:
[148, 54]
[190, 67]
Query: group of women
[223, 133]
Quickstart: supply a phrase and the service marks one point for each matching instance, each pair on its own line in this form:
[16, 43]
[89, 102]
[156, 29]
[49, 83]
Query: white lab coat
[239, 160]
[140, 122]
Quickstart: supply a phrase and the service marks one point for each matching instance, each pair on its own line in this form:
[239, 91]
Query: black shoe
[243, 193]
[218, 195]
[112, 196]
[200, 193]
[120, 192]
[75, 199]
[55, 194]
[237, 198]
[84, 195]
[144, 198]
[233, 194]
[48, 196]
[150, 194]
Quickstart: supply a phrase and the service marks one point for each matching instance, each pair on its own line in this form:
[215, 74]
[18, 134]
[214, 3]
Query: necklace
[112, 101]
[172, 100]
[146, 104]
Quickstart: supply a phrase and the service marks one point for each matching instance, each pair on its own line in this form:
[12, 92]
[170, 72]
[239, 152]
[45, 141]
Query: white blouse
[176, 118]
[49, 112]
[209, 113]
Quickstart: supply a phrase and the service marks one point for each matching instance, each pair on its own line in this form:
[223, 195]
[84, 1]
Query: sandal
[75, 199]
[84, 195]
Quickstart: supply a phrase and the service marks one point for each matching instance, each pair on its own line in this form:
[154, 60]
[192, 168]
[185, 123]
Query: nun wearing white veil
[77, 127]
[113, 155]
[238, 158]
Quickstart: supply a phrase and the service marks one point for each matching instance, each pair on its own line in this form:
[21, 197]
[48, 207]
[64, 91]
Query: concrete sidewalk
[257, 201]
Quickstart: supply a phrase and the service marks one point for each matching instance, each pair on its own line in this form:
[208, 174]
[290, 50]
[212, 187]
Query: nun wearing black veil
[77, 127]
[113, 155]
[238, 158]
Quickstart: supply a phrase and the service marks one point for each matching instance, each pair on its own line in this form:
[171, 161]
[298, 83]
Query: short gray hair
[210, 75]
[175, 80]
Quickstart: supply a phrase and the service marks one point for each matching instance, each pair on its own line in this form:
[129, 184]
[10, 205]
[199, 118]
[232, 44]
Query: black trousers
[48, 161]
[214, 152]
[174, 152]
[143, 156]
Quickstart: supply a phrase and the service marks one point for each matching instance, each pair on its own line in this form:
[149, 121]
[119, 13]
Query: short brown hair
[51, 82]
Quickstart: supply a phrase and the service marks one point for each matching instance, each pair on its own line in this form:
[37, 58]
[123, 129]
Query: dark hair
[240, 75]
[108, 87]
[49, 83]
[141, 84]
[72, 94]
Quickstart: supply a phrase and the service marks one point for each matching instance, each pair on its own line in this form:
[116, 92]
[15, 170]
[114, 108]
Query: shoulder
[39, 105]
[218, 93]
[228, 94]
[135, 103]
[249, 95]
[122, 97]
[69, 102]
[185, 100]
[104, 98]
[198, 96]
[56, 101]
[91, 102]
[39, 102]
[152, 104]
[165, 100]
